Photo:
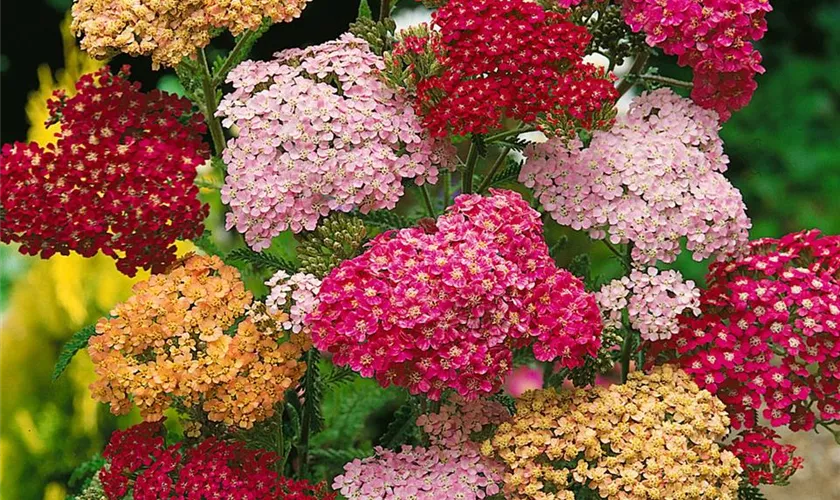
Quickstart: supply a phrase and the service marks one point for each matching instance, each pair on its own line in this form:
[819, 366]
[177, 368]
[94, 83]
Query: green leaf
[336, 457]
[364, 10]
[401, 428]
[746, 491]
[311, 417]
[260, 261]
[77, 342]
[581, 266]
[83, 474]
[207, 245]
[384, 219]
[510, 173]
[338, 376]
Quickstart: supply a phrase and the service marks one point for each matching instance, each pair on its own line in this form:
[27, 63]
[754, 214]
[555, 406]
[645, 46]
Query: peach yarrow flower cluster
[653, 437]
[169, 30]
[172, 341]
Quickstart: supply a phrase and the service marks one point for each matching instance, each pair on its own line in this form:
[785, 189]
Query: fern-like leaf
[514, 143]
[336, 457]
[260, 261]
[383, 219]
[510, 173]
[339, 375]
[82, 475]
[746, 491]
[401, 428]
[77, 342]
[207, 245]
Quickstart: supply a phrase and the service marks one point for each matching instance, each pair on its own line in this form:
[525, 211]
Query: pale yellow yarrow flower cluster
[169, 30]
[170, 341]
[654, 437]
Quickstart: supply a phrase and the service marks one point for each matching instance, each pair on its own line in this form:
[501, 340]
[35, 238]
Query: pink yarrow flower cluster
[451, 467]
[768, 339]
[653, 179]
[444, 307]
[296, 294]
[714, 38]
[654, 300]
[318, 131]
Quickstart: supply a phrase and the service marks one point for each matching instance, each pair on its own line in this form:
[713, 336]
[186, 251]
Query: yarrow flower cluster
[171, 342]
[506, 58]
[764, 460]
[443, 307]
[319, 132]
[653, 437]
[714, 38]
[653, 179]
[296, 295]
[119, 179]
[768, 339]
[451, 467]
[169, 30]
[654, 300]
[140, 462]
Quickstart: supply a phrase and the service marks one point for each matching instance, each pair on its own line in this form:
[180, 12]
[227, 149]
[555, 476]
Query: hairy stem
[447, 188]
[488, 178]
[209, 105]
[244, 40]
[509, 133]
[384, 10]
[428, 201]
[469, 169]
[667, 81]
[630, 78]
[625, 261]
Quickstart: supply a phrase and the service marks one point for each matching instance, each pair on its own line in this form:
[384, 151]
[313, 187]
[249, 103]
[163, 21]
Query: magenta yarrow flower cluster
[768, 340]
[451, 467]
[714, 38]
[654, 300]
[296, 294]
[653, 179]
[319, 131]
[444, 307]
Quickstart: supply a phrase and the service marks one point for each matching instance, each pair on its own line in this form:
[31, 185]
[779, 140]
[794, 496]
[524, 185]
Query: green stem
[447, 188]
[428, 200]
[626, 351]
[509, 133]
[209, 105]
[469, 169]
[625, 261]
[208, 185]
[243, 42]
[488, 179]
[637, 68]
[667, 81]
[384, 10]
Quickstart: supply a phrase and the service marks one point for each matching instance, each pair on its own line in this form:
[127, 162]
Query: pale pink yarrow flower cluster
[319, 131]
[452, 467]
[296, 294]
[653, 179]
[654, 300]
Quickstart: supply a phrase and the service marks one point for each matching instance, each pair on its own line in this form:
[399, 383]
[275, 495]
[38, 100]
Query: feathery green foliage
[746, 491]
[385, 220]
[259, 261]
[402, 428]
[77, 342]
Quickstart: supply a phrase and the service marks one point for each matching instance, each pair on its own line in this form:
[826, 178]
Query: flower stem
[244, 40]
[469, 170]
[625, 261]
[488, 179]
[428, 200]
[447, 188]
[384, 10]
[209, 105]
[510, 133]
[667, 81]
[626, 351]
[630, 78]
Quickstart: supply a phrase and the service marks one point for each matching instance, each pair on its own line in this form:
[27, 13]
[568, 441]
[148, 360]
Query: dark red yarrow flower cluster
[768, 338]
[764, 460]
[118, 180]
[141, 463]
[714, 38]
[443, 307]
[509, 58]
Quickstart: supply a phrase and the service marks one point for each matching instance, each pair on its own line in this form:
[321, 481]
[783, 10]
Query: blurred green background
[784, 148]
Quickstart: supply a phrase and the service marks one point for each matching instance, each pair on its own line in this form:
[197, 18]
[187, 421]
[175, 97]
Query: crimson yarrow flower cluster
[451, 467]
[139, 462]
[508, 58]
[714, 38]
[318, 131]
[769, 334]
[764, 459]
[119, 179]
[444, 307]
[653, 179]
[654, 300]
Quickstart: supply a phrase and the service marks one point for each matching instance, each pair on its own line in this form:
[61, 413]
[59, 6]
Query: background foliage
[785, 155]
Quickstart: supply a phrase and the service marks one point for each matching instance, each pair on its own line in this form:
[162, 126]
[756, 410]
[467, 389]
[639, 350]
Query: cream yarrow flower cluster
[651, 438]
[169, 30]
[177, 339]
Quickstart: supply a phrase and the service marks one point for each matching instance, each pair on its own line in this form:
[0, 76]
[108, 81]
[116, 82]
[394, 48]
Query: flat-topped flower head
[653, 437]
[319, 132]
[172, 342]
[654, 180]
[444, 306]
[119, 179]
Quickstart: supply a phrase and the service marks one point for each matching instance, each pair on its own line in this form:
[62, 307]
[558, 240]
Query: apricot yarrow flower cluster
[507, 58]
[653, 437]
[139, 462]
[714, 38]
[177, 339]
[296, 295]
[119, 179]
[768, 339]
[654, 300]
[443, 307]
[169, 30]
[451, 467]
[653, 179]
[318, 132]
